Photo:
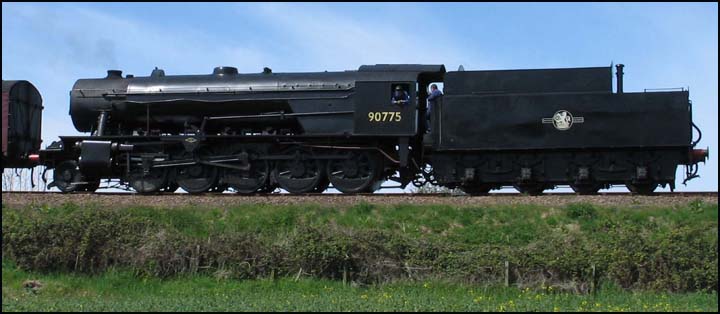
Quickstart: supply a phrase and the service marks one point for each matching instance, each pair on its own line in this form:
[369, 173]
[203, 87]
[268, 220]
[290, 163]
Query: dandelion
[426, 285]
[364, 296]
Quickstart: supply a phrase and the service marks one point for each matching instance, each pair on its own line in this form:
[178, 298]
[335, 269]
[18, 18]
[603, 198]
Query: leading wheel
[67, 177]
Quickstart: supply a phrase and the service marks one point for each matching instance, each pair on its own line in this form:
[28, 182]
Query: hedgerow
[572, 248]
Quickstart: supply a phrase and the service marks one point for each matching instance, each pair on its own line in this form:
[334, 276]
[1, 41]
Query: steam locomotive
[302, 132]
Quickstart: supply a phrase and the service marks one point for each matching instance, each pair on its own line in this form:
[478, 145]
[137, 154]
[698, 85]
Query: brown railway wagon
[21, 124]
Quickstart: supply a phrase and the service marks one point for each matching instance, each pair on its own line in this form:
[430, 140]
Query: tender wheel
[147, 183]
[642, 188]
[530, 188]
[300, 174]
[587, 188]
[65, 176]
[251, 180]
[357, 174]
[481, 189]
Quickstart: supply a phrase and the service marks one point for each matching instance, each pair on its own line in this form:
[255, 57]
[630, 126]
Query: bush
[72, 239]
[581, 211]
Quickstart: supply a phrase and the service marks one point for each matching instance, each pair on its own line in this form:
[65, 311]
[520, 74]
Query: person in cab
[432, 101]
[400, 96]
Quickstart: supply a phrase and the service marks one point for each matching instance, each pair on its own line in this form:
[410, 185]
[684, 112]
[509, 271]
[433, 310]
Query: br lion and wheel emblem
[563, 120]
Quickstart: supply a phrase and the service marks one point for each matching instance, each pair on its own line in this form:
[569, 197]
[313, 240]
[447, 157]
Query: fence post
[507, 274]
[592, 282]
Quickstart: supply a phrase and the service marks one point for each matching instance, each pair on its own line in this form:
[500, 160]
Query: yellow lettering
[384, 116]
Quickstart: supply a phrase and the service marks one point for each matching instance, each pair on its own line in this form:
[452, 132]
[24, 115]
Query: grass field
[579, 257]
[123, 291]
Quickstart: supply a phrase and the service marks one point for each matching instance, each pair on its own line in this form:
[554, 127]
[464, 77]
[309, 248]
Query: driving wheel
[359, 173]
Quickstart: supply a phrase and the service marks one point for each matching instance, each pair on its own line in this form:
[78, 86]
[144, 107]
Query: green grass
[123, 291]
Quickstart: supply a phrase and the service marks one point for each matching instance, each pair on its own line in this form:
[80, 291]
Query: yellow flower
[426, 285]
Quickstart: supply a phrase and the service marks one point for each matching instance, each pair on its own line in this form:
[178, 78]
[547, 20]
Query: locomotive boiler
[245, 132]
[303, 132]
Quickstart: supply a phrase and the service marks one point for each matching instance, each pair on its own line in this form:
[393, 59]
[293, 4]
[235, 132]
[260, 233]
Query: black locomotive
[302, 132]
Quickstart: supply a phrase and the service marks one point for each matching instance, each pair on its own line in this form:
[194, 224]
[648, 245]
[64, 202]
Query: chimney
[114, 74]
[619, 74]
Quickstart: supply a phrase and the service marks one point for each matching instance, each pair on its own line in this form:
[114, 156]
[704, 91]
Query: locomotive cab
[377, 113]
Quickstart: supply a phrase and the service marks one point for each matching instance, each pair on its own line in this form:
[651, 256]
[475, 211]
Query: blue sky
[662, 45]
